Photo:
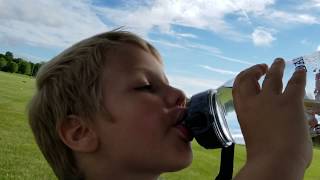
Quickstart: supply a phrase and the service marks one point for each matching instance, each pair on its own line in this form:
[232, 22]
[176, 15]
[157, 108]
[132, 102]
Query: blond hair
[71, 84]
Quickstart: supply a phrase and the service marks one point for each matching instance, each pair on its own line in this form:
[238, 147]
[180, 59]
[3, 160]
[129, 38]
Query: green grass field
[21, 159]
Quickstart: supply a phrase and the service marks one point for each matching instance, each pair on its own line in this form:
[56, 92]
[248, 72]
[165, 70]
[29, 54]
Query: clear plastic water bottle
[312, 98]
[212, 112]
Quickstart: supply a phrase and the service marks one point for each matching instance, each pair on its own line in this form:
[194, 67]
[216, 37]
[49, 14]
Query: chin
[180, 164]
[178, 167]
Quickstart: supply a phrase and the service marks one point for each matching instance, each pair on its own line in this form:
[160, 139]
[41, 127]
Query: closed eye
[147, 87]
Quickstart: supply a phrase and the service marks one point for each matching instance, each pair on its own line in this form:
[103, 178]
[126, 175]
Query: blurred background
[204, 43]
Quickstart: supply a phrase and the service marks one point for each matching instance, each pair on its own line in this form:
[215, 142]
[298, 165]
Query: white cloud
[286, 17]
[230, 59]
[187, 35]
[168, 43]
[188, 45]
[201, 14]
[221, 71]
[310, 5]
[29, 56]
[213, 51]
[56, 23]
[60, 23]
[318, 48]
[191, 85]
[262, 37]
[316, 3]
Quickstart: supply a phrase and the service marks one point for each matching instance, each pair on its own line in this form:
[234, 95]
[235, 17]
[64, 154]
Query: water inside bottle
[226, 109]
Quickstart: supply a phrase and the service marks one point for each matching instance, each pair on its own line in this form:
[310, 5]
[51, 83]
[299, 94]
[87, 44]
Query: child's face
[144, 111]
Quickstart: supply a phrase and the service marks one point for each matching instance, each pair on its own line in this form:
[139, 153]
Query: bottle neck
[203, 121]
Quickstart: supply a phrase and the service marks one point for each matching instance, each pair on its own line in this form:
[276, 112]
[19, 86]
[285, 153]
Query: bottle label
[299, 63]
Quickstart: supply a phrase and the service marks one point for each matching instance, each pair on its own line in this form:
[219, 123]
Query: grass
[20, 157]
[206, 164]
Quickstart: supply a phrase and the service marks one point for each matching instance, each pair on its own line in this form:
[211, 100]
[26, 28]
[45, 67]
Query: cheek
[139, 118]
[146, 123]
[146, 128]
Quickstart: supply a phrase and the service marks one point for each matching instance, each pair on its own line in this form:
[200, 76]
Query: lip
[184, 132]
[180, 115]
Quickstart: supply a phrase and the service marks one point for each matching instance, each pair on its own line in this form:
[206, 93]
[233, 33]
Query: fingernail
[262, 65]
[278, 60]
[300, 70]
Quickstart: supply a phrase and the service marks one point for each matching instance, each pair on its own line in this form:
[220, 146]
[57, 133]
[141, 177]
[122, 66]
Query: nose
[175, 97]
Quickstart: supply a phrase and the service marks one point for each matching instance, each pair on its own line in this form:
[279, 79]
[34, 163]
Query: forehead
[127, 58]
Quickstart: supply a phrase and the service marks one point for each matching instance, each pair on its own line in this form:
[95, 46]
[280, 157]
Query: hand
[272, 120]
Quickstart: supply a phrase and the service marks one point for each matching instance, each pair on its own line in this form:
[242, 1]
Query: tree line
[8, 63]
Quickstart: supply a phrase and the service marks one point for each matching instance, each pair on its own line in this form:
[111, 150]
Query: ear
[78, 134]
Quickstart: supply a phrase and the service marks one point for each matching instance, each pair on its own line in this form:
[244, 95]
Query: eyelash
[148, 87]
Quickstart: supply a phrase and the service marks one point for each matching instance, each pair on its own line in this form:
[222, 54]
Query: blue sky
[203, 42]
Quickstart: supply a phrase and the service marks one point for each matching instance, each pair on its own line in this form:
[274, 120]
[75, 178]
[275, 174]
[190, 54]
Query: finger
[246, 83]
[296, 85]
[273, 80]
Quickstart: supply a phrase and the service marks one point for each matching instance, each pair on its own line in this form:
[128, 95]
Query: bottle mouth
[203, 121]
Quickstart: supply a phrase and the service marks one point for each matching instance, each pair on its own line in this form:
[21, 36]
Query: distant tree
[12, 67]
[31, 66]
[24, 67]
[3, 63]
[18, 60]
[21, 66]
[27, 70]
[9, 55]
[36, 68]
[18, 65]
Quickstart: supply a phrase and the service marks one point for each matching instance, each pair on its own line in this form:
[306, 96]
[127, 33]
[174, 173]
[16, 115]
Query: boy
[104, 109]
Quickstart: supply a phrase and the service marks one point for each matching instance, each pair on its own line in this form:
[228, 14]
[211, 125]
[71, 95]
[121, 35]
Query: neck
[98, 171]
[120, 174]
